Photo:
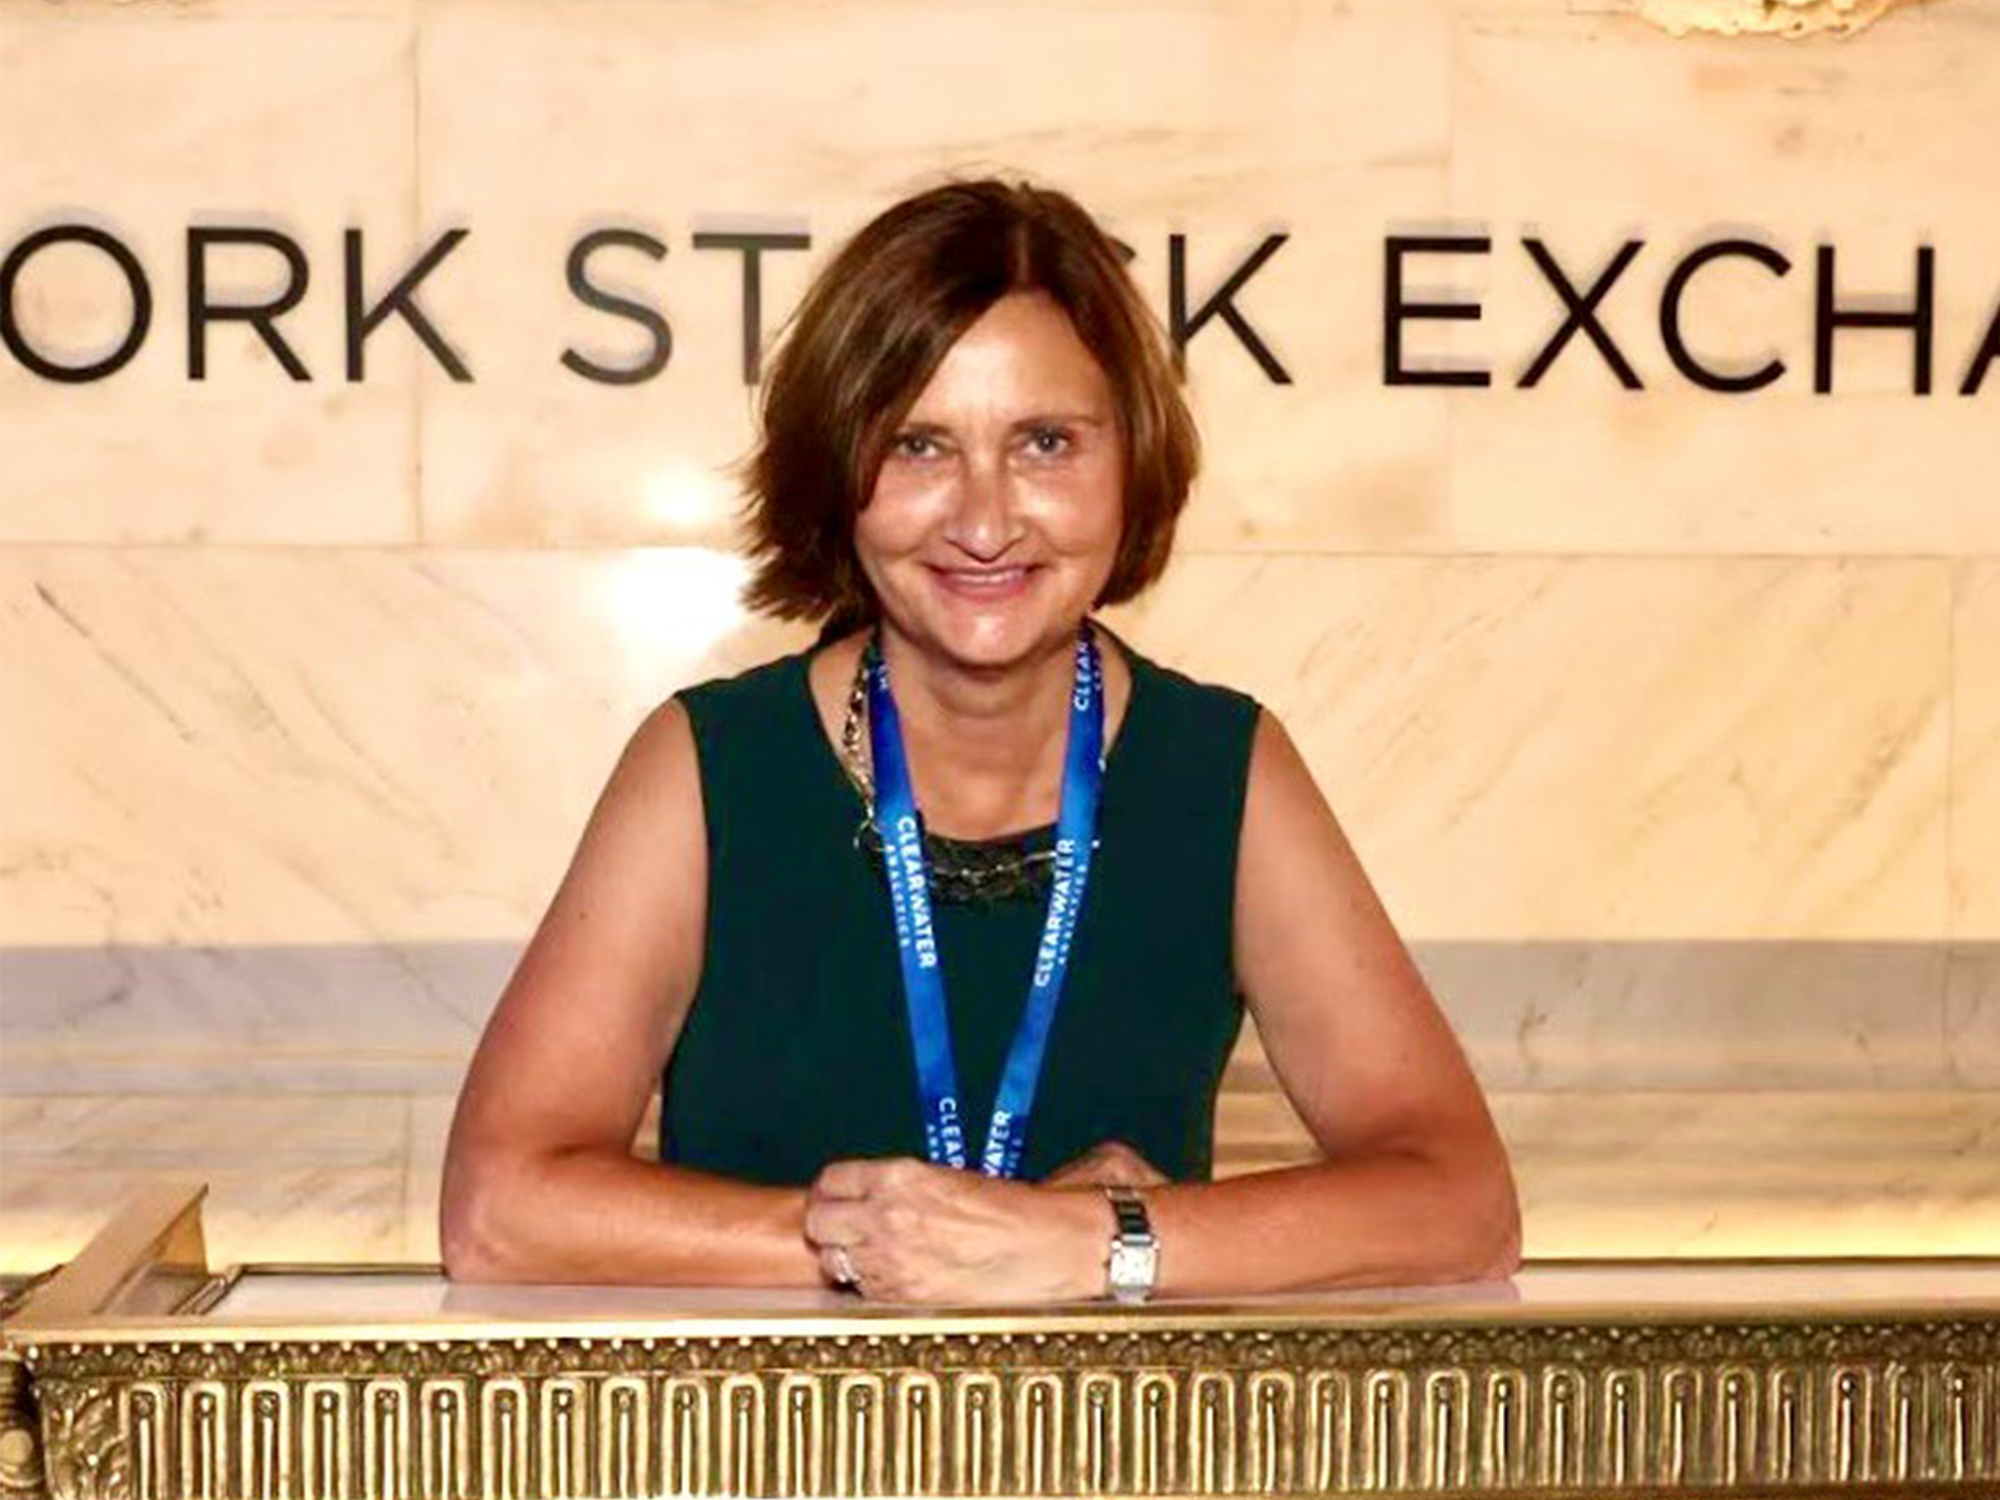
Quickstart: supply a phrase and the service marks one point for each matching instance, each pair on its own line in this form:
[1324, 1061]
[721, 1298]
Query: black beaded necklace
[963, 872]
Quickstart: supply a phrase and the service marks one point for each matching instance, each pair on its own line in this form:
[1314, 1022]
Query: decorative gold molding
[145, 1398]
[1823, 1407]
[83, 1441]
[21, 1475]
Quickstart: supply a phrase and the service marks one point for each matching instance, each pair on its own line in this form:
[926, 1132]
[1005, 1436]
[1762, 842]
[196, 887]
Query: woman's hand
[914, 1232]
[1107, 1164]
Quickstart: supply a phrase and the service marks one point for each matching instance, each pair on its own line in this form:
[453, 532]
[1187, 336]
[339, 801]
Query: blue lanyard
[916, 939]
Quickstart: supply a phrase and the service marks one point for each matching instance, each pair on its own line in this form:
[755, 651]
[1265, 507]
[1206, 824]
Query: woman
[972, 437]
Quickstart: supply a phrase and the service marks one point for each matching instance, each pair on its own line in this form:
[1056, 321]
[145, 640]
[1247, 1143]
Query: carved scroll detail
[85, 1449]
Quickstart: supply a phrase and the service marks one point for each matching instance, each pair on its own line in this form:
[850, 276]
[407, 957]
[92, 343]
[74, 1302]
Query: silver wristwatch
[1135, 1252]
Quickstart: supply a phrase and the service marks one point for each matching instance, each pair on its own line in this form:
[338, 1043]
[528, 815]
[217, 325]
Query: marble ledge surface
[1609, 1173]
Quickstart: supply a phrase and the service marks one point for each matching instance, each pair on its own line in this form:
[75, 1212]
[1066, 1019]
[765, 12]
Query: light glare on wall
[685, 497]
[669, 604]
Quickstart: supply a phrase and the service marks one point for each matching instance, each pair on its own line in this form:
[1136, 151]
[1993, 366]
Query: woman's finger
[836, 1221]
[844, 1179]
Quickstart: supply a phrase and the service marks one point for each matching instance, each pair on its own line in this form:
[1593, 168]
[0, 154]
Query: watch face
[1133, 1267]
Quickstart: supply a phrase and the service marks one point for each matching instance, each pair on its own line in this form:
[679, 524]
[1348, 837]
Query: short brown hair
[873, 328]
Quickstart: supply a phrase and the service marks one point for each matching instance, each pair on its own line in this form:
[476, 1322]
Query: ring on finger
[844, 1273]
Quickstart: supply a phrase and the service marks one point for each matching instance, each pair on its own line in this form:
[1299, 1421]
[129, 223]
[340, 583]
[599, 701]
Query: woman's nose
[983, 519]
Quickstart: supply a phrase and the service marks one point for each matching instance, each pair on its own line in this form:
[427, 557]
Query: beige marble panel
[1719, 1173]
[143, 121]
[402, 1016]
[249, 747]
[1975, 760]
[290, 1178]
[1605, 747]
[1591, 472]
[1589, 133]
[1520, 748]
[245, 1018]
[1972, 1013]
[208, 12]
[805, 117]
[1734, 1015]
[430, 1128]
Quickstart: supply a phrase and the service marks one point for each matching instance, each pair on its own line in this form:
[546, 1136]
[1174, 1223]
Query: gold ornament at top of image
[1787, 18]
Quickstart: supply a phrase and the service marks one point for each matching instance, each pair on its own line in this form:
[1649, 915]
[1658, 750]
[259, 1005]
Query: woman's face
[996, 517]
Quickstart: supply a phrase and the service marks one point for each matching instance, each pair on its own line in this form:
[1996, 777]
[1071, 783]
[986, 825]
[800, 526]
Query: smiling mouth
[986, 578]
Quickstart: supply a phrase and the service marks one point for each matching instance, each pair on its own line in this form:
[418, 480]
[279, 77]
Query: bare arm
[1416, 1186]
[539, 1180]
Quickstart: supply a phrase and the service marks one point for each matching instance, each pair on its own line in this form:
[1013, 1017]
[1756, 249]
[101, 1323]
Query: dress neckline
[829, 757]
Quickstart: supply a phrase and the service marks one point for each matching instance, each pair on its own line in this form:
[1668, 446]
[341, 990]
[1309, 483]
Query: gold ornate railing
[519, 1397]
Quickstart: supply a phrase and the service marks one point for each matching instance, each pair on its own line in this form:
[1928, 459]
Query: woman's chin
[987, 643]
[994, 636]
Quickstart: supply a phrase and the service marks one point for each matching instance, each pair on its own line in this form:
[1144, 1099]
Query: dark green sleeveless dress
[796, 1050]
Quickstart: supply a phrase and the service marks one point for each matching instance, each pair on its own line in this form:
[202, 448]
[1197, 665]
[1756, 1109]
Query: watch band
[1134, 1263]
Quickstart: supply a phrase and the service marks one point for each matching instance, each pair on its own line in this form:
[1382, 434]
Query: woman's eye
[1049, 441]
[915, 444]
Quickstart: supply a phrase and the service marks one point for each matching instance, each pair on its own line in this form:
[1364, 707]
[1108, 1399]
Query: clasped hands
[910, 1231]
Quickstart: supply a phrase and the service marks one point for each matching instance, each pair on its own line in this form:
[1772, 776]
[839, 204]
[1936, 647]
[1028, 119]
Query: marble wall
[1667, 722]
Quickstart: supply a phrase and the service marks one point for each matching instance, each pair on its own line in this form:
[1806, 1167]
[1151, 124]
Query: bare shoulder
[1286, 817]
[646, 839]
[1299, 880]
[639, 875]
[1276, 766]
[660, 766]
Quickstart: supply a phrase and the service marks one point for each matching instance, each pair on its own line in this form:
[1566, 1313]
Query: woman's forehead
[1021, 352]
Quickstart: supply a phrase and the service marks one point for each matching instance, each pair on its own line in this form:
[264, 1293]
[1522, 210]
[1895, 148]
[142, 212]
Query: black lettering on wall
[1398, 310]
[1670, 315]
[262, 316]
[1582, 313]
[753, 247]
[1828, 316]
[592, 295]
[363, 320]
[1983, 358]
[1221, 304]
[135, 279]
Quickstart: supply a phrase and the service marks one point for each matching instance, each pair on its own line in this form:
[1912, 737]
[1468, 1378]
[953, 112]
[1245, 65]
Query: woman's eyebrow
[1033, 419]
[1074, 418]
